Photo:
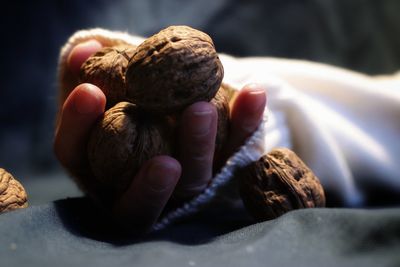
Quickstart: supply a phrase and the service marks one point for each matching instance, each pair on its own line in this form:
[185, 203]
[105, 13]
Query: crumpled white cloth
[343, 124]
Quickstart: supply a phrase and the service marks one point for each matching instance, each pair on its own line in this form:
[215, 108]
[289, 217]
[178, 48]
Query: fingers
[80, 111]
[198, 137]
[80, 53]
[246, 115]
[197, 142]
[69, 76]
[139, 208]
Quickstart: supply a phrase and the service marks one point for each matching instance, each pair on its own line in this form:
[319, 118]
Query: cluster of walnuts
[147, 87]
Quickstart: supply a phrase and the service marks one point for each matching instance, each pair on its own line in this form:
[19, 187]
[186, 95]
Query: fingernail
[201, 122]
[256, 104]
[256, 87]
[86, 101]
[81, 52]
[89, 43]
[256, 97]
[161, 176]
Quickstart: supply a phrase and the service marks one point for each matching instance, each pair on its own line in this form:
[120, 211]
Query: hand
[161, 178]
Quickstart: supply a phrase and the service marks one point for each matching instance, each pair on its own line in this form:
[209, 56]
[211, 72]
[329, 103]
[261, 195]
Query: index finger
[70, 72]
[79, 113]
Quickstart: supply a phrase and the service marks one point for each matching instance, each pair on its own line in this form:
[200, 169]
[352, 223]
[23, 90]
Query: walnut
[277, 183]
[122, 141]
[106, 69]
[12, 194]
[173, 69]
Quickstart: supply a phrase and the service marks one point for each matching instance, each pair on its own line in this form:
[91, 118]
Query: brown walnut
[122, 141]
[277, 183]
[172, 69]
[12, 194]
[106, 69]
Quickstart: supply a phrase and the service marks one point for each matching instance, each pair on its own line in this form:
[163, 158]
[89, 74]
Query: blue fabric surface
[70, 233]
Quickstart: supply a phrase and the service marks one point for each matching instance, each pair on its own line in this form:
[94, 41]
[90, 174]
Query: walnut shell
[106, 69]
[277, 183]
[12, 193]
[122, 141]
[172, 69]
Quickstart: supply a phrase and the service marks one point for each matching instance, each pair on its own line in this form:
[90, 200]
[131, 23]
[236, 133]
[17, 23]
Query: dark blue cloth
[70, 233]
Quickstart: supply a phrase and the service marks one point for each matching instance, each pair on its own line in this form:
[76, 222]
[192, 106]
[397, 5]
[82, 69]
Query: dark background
[362, 35]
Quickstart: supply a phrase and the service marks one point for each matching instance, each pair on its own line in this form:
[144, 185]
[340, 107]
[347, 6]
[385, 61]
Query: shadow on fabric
[81, 218]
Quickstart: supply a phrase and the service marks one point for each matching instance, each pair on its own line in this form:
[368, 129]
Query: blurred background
[362, 35]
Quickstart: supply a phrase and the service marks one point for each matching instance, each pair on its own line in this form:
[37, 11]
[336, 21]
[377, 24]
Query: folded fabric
[343, 124]
[69, 233]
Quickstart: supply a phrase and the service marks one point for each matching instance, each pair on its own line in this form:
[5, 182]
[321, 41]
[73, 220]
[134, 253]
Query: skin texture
[161, 178]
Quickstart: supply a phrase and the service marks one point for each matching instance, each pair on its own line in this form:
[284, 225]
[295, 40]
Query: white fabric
[343, 124]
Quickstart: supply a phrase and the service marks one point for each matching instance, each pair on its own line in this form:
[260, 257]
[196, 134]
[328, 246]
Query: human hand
[162, 178]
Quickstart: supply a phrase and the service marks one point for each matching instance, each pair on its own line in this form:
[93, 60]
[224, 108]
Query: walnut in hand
[172, 69]
[122, 141]
[165, 74]
[106, 69]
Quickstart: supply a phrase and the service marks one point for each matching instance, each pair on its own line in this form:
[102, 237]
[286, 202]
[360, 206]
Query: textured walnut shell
[106, 69]
[12, 194]
[277, 183]
[173, 69]
[121, 142]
